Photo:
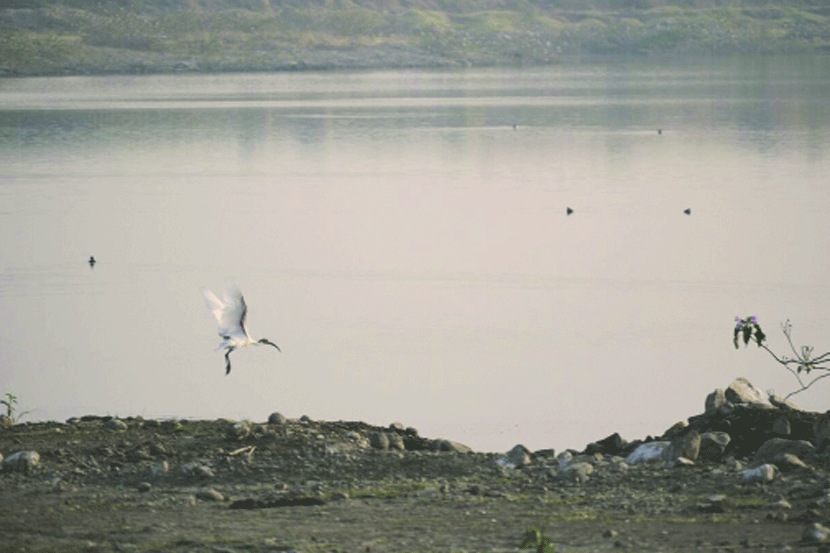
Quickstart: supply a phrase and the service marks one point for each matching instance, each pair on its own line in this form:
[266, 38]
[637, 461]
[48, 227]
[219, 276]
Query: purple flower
[753, 319]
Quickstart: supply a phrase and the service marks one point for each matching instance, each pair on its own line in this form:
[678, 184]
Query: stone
[774, 447]
[397, 427]
[742, 391]
[611, 445]
[277, 418]
[715, 401]
[22, 461]
[517, 457]
[815, 533]
[116, 424]
[577, 472]
[159, 469]
[379, 440]
[781, 504]
[171, 425]
[675, 430]
[6, 421]
[781, 426]
[783, 403]
[144, 487]
[763, 473]
[788, 462]
[564, 459]
[648, 453]
[239, 430]
[396, 441]
[716, 503]
[209, 495]
[306, 419]
[733, 464]
[450, 446]
[685, 445]
[821, 431]
[713, 445]
[195, 470]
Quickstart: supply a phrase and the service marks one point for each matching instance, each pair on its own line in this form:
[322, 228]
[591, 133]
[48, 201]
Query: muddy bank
[105, 484]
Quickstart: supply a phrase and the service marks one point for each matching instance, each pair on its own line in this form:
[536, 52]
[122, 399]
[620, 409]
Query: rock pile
[747, 458]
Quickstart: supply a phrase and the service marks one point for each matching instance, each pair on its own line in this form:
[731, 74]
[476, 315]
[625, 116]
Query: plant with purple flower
[748, 329]
[800, 366]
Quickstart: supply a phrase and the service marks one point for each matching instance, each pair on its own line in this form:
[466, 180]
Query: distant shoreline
[62, 38]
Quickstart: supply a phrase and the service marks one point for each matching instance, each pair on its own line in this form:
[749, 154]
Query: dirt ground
[139, 485]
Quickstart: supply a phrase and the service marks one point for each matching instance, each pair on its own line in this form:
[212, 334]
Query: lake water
[409, 249]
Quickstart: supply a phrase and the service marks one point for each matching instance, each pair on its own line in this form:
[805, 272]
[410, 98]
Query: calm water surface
[408, 248]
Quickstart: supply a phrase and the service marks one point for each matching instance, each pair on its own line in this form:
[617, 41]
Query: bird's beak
[264, 341]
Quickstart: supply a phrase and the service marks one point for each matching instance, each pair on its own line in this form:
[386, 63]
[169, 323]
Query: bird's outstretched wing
[229, 312]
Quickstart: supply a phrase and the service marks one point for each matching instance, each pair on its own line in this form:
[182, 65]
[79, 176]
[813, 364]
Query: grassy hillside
[106, 36]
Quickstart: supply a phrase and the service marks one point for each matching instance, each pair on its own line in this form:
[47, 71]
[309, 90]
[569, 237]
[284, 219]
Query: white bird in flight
[230, 312]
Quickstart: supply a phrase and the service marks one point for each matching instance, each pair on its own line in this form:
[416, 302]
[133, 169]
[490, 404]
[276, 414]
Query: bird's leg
[228, 360]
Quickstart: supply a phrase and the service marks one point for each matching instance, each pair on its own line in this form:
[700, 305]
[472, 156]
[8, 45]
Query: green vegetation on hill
[118, 36]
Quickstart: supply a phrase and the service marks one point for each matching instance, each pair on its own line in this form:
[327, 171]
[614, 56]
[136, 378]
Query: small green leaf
[747, 330]
[532, 538]
[759, 335]
[545, 545]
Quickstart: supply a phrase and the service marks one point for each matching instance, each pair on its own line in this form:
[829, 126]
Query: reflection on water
[403, 237]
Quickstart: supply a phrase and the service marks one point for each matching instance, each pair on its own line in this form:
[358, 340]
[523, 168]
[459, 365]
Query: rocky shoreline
[750, 473]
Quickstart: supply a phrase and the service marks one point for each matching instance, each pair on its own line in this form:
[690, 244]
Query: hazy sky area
[409, 250]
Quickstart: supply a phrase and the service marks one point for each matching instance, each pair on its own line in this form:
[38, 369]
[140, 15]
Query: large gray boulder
[577, 472]
[517, 457]
[648, 453]
[821, 430]
[686, 446]
[742, 391]
[22, 461]
[715, 401]
[713, 444]
[774, 447]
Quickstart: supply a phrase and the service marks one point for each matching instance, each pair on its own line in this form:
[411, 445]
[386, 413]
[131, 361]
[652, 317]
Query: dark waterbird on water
[91, 261]
[230, 313]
